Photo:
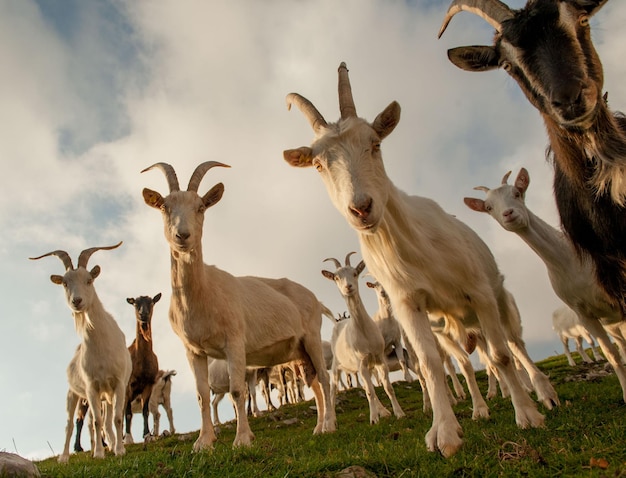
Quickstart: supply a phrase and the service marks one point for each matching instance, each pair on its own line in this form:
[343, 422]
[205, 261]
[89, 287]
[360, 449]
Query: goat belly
[273, 354]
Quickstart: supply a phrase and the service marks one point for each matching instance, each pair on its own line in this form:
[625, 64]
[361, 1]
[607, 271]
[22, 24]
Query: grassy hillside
[583, 437]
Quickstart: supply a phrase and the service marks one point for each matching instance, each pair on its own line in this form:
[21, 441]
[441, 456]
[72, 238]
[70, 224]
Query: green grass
[590, 425]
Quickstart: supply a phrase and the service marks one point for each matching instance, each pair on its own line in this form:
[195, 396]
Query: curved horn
[337, 263]
[348, 258]
[64, 256]
[200, 171]
[170, 175]
[482, 188]
[315, 118]
[493, 11]
[505, 178]
[86, 254]
[346, 103]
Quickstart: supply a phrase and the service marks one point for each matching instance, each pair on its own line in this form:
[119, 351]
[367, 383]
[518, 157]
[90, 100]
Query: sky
[93, 92]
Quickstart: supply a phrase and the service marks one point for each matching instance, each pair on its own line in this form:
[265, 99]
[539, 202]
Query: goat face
[144, 307]
[346, 278]
[183, 215]
[348, 157]
[78, 286]
[546, 47]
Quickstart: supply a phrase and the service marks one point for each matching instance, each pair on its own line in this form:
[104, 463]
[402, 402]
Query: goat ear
[387, 121]
[152, 198]
[360, 267]
[474, 58]
[130, 300]
[56, 279]
[156, 298]
[522, 180]
[475, 204]
[299, 158]
[213, 196]
[328, 275]
[95, 272]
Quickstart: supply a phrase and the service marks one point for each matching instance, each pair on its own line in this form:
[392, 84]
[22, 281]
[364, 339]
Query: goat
[546, 48]
[357, 343]
[567, 325]
[161, 396]
[144, 360]
[389, 328]
[247, 321]
[219, 381]
[571, 276]
[101, 366]
[426, 259]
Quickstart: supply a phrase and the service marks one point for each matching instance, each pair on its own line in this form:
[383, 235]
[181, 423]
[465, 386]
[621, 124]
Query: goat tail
[327, 312]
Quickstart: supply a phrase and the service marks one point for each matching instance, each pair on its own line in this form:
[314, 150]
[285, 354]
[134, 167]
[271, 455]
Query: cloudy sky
[93, 92]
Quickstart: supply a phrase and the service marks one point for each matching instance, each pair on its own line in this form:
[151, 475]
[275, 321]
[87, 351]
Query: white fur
[357, 343]
[160, 396]
[572, 278]
[101, 366]
[426, 259]
[219, 381]
[247, 321]
[567, 325]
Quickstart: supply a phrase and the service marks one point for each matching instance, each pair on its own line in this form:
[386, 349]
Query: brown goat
[547, 48]
[145, 362]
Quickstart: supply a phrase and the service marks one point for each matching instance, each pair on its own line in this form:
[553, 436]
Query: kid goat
[571, 276]
[426, 259]
[100, 368]
[247, 321]
[546, 47]
[357, 343]
[145, 363]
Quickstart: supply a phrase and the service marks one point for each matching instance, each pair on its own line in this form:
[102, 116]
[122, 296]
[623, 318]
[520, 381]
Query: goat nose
[567, 96]
[363, 209]
[183, 236]
[76, 301]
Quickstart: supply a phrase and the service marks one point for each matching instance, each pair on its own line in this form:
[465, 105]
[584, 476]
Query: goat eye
[376, 147]
[583, 20]
[506, 65]
[488, 208]
[318, 166]
[201, 209]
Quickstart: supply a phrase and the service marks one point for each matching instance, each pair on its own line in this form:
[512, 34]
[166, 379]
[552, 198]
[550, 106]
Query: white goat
[389, 328]
[567, 325]
[357, 343]
[426, 259]
[247, 321]
[101, 366]
[160, 396]
[572, 277]
[219, 381]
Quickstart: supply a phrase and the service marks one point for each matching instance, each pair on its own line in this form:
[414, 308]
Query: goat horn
[170, 174]
[505, 178]
[64, 256]
[348, 258]
[482, 188]
[337, 263]
[199, 173]
[493, 11]
[86, 254]
[315, 118]
[346, 103]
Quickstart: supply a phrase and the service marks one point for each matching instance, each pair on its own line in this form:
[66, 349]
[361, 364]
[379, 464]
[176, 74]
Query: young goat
[161, 396]
[247, 321]
[145, 363]
[358, 345]
[567, 325]
[547, 48]
[219, 381]
[571, 277]
[101, 366]
[426, 259]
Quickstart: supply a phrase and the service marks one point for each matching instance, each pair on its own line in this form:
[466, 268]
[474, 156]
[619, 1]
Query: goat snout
[362, 209]
[508, 214]
[77, 301]
[182, 236]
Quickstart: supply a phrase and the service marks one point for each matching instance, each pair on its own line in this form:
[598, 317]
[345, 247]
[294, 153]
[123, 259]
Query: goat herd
[440, 278]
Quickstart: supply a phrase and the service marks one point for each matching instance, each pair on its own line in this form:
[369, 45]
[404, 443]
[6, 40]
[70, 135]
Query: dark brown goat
[145, 362]
[546, 47]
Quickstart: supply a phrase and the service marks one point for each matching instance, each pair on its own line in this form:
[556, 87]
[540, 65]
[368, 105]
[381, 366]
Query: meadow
[585, 436]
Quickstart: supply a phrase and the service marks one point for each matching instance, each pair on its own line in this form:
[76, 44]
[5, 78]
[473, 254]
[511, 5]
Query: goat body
[144, 360]
[571, 276]
[425, 258]
[247, 321]
[101, 367]
[546, 47]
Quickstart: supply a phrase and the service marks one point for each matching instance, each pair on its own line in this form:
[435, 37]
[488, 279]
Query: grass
[585, 436]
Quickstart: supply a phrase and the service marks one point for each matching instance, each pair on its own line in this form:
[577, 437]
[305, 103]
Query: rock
[12, 465]
[355, 472]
